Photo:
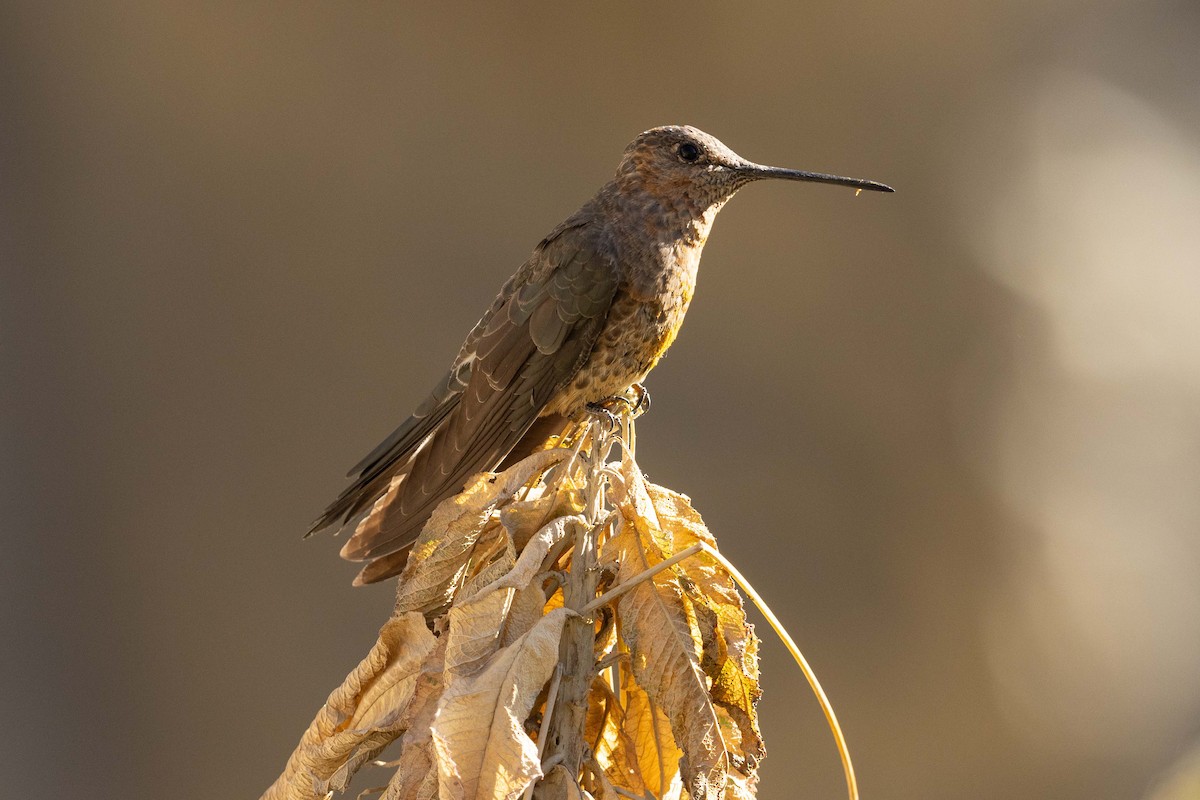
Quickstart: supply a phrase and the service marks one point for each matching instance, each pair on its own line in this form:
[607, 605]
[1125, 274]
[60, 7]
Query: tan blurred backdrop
[952, 434]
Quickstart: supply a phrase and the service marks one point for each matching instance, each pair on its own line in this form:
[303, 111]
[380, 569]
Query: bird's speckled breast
[644, 319]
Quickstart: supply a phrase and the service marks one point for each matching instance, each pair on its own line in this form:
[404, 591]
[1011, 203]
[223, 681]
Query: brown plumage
[589, 314]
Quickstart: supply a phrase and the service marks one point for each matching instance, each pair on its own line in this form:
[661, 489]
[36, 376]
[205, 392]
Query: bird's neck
[658, 238]
[676, 217]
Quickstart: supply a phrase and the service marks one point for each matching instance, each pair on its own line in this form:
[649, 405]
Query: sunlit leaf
[730, 643]
[441, 553]
[482, 749]
[362, 715]
[659, 625]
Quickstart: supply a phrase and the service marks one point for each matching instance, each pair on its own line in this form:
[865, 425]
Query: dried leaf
[667, 523]
[658, 623]
[740, 787]
[612, 746]
[522, 517]
[362, 715]
[416, 769]
[441, 553]
[649, 730]
[607, 791]
[486, 567]
[474, 633]
[483, 752]
[731, 650]
[529, 564]
[478, 622]
[528, 606]
[701, 600]
[416, 773]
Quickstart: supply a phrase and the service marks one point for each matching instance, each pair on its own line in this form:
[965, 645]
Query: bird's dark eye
[688, 151]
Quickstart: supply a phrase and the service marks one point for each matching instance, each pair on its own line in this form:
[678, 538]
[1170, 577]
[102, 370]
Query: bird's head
[680, 163]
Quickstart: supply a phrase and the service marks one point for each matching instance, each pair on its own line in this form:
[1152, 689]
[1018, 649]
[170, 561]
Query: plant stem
[577, 661]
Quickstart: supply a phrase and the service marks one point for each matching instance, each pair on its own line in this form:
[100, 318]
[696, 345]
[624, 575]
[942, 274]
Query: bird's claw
[642, 405]
[602, 410]
[635, 406]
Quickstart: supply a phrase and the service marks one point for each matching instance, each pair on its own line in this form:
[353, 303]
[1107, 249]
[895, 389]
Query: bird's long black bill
[760, 171]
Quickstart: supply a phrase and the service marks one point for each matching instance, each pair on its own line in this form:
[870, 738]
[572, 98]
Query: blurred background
[953, 434]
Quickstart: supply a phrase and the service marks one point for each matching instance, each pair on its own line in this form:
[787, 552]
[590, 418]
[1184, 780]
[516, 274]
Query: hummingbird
[584, 319]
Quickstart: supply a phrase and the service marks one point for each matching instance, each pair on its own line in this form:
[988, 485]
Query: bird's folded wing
[528, 346]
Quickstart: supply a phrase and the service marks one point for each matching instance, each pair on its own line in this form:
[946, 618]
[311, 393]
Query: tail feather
[401, 530]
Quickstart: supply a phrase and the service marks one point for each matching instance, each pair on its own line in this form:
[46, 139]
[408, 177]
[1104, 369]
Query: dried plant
[563, 629]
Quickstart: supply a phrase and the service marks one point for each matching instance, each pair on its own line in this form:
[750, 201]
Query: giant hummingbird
[586, 317]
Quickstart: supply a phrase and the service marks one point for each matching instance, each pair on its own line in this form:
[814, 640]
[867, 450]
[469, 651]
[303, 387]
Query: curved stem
[826, 706]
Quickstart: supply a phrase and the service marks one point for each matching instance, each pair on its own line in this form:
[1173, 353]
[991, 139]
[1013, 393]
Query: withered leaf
[731, 660]
[444, 547]
[702, 598]
[416, 770]
[478, 622]
[648, 728]
[416, 775]
[529, 563]
[523, 517]
[474, 633]
[609, 739]
[658, 623]
[488, 566]
[483, 752]
[362, 715]
[528, 606]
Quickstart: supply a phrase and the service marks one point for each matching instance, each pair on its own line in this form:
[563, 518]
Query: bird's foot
[642, 404]
[603, 411]
[634, 402]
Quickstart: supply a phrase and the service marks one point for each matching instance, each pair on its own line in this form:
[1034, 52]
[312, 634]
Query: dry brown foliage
[544, 644]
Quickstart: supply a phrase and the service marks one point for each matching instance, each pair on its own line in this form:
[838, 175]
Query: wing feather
[530, 343]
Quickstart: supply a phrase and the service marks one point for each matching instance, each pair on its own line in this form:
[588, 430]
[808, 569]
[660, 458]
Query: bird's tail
[399, 510]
